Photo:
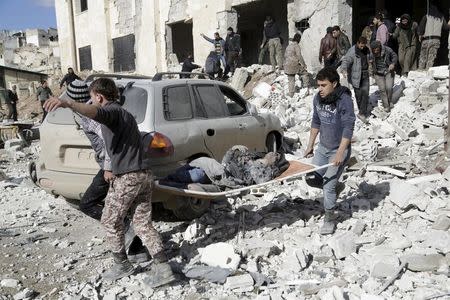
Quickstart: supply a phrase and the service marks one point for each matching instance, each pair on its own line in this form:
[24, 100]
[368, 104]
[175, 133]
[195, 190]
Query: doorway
[181, 42]
[251, 18]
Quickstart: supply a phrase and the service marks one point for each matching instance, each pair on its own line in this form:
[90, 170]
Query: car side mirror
[252, 109]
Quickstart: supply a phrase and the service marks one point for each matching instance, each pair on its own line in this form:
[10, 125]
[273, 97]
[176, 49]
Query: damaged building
[140, 35]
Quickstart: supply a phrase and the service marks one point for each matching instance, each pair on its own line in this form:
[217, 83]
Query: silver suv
[197, 117]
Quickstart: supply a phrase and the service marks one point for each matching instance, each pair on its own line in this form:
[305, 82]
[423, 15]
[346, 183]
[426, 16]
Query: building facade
[140, 35]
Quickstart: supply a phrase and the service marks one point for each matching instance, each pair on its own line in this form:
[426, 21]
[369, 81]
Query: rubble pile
[392, 239]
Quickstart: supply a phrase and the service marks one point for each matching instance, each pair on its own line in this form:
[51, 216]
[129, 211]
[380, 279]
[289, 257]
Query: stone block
[442, 223]
[220, 255]
[411, 94]
[371, 297]
[263, 90]
[422, 262]
[240, 78]
[402, 193]
[414, 75]
[10, 283]
[428, 87]
[440, 72]
[257, 247]
[242, 282]
[438, 239]
[343, 244]
[384, 266]
[403, 125]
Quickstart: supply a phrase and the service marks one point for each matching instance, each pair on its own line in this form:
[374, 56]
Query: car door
[212, 119]
[251, 131]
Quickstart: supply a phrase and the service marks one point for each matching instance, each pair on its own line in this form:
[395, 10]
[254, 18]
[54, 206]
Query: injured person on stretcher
[240, 167]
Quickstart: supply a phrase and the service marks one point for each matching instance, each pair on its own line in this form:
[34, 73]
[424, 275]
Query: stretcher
[296, 170]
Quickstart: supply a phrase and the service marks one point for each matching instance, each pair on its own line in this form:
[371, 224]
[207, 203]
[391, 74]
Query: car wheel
[190, 208]
[271, 142]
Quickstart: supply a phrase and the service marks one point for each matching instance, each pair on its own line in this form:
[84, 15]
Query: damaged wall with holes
[141, 35]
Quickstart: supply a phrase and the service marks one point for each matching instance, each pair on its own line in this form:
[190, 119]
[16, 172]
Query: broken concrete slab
[257, 247]
[401, 192]
[385, 266]
[343, 244]
[240, 78]
[442, 223]
[242, 282]
[220, 255]
[403, 125]
[423, 263]
[211, 274]
[14, 145]
[439, 73]
[10, 283]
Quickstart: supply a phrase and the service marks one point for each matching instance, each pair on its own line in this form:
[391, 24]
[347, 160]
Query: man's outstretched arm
[53, 103]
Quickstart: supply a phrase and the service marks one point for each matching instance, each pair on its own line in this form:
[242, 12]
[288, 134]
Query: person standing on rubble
[219, 46]
[294, 63]
[334, 119]
[232, 51]
[272, 34]
[382, 31]
[264, 48]
[11, 103]
[383, 61]
[355, 65]
[43, 93]
[327, 52]
[406, 35]
[342, 43]
[430, 31]
[68, 78]
[131, 182]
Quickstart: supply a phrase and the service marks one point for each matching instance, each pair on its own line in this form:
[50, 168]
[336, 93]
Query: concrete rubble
[392, 239]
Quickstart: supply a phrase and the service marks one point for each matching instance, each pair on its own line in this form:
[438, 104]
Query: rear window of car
[177, 103]
[136, 102]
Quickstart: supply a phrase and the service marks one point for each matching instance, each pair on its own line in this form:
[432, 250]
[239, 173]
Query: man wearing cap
[97, 191]
[43, 93]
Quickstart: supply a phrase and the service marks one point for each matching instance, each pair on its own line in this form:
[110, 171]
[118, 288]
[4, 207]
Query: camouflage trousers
[130, 193]
[428, 53]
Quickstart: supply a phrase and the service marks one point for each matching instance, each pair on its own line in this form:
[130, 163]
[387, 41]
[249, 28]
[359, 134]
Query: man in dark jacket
[334, 119]
[383, 61]
[68, 78]
[272, 35]
[355, 65]
[327, 51]
[11, 103]
[232, 50]
[131, 182]
[188, 66]
[212, 65]
[342, 42]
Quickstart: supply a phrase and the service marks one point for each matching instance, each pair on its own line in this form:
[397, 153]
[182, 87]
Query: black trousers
[362, 95]
[12, 111]
[232, 62]
[92, 202]
[43, 110]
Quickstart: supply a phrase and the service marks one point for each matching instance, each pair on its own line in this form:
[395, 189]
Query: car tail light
[160, 146]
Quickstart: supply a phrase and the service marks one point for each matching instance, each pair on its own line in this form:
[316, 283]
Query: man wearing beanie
[78, 91]
[131, 186]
